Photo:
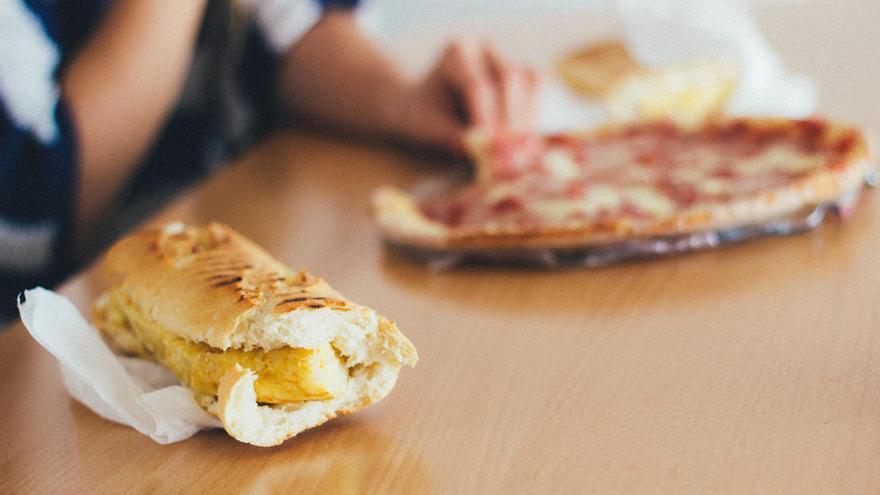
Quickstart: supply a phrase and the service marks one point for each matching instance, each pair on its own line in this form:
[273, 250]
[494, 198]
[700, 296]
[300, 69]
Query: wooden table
[750, 369]
[755, 367]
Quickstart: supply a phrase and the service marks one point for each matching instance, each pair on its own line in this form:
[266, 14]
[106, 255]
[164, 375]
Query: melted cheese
[693, 175]
[561, 164]
[598, 198]
[650, 201]
[713, 186]
[285, 375]
[500, 191]
[781, 159]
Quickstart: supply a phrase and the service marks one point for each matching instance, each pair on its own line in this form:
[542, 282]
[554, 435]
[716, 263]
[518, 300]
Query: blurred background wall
[814, 37]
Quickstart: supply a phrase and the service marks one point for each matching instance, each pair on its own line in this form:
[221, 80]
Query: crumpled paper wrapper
[661, 33]
[667, 32]
[129, 391]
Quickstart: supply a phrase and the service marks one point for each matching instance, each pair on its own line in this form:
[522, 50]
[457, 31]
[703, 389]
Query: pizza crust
[402, 222]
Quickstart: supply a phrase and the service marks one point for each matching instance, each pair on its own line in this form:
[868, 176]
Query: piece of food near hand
[687, 94]
[269, 351]
[628, 183]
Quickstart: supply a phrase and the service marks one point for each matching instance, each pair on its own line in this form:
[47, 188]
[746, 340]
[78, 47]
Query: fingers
[492, 92]
[464, 72]
[471, 87]
[423, 114]
[515, 92]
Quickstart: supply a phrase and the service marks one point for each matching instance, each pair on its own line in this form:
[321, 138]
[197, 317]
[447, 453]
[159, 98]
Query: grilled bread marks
[316, 302]
[178, 244]
[205, 301]
[307, 291]
[214, 286]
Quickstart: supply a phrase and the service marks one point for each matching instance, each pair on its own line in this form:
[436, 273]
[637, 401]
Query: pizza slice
[638, 181]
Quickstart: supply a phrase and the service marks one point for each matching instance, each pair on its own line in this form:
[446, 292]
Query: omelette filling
[285, 375]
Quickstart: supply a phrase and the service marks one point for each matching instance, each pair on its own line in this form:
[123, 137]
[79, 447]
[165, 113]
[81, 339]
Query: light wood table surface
[749, 369]
[755, 367]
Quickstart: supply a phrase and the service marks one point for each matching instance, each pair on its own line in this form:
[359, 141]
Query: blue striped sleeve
[37, 156]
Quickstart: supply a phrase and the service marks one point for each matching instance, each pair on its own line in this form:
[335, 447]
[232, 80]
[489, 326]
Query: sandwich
[269, 351]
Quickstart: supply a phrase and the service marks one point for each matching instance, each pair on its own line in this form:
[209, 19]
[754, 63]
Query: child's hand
[336, 76]
[469, 87]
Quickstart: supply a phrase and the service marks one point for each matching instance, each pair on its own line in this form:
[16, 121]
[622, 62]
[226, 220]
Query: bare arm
[121, 87]
[335, 75]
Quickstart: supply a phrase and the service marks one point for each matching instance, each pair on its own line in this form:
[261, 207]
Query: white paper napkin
[665, 32]
[129, 391]
[660, 33]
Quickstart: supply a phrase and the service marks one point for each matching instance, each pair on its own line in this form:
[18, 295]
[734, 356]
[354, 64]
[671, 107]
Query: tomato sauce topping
[637, 172]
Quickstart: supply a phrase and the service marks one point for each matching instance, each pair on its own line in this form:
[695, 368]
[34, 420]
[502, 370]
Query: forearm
[335, 75]
[120, 88]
